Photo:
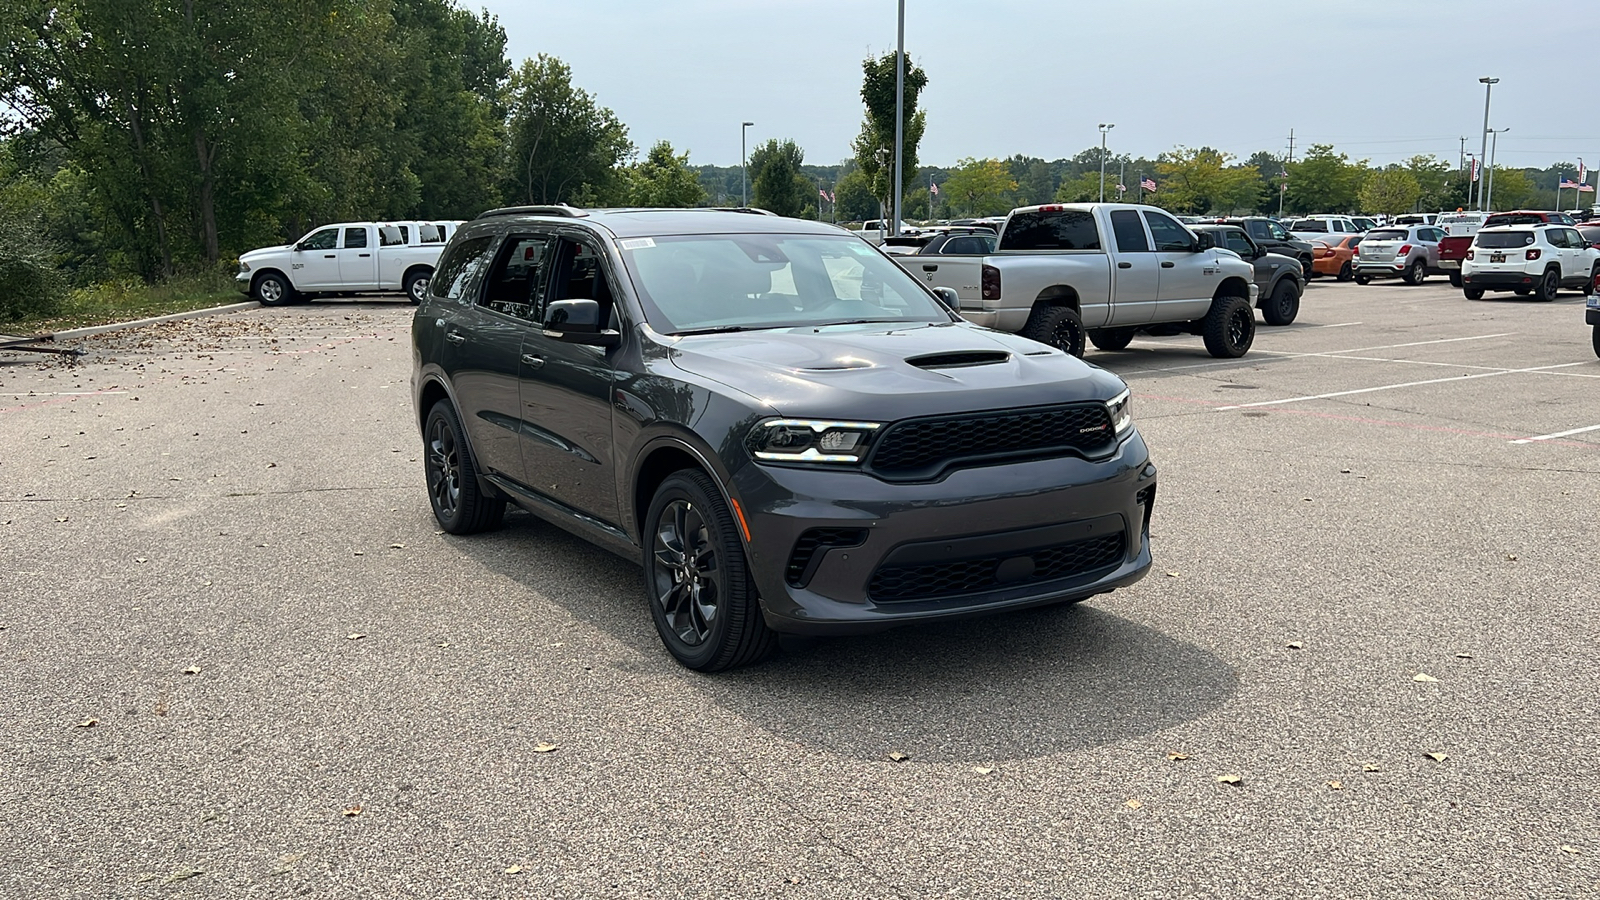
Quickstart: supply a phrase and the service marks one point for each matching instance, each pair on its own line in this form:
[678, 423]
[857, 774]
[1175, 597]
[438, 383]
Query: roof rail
[752, 210]
[558, 209]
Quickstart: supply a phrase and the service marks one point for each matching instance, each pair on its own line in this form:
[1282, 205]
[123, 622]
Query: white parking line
[1559, 434]
[60, 393]
[1340, 325]
[1332, 354]
[1391, 387]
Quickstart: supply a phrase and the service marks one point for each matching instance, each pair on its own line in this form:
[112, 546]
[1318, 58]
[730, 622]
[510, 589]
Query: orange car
[1332, 257]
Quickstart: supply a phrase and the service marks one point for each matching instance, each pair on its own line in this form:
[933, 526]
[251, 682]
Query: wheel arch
[656, 462]
[1234, 286]
[413, 269]
[1059, 295]
[256, 278]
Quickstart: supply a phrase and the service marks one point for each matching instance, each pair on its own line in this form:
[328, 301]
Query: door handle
[455, 337]
[528, 359]
[1124, 265]
[1167, 265]
[927, 268]
[329, 256]
[364, 255]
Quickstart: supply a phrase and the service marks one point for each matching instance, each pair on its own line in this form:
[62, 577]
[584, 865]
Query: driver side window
[1169, 236]
[326, 239]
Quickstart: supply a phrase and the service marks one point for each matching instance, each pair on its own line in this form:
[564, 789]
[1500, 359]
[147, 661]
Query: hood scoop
[959, 360]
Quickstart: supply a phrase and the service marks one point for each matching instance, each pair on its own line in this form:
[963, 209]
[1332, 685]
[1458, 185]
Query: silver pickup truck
[1102, 272]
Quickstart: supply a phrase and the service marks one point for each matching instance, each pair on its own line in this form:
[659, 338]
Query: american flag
[1149, 184]
[1568, 183]
[933, 188]
[824, 195]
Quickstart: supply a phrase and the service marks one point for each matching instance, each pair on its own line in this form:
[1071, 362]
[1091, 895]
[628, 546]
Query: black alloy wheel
[1229, 328]
[1363, 279]
[1549, 285]
[701, 595]
[458, 502]
[1455, 279]
[1059, 326]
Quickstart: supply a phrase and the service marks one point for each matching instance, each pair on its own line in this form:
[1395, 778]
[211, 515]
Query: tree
[980, 187]
[664, 179]
[877, 130]
[1199, 181]
[1510, 188]
[1324, 181]
[1037, 183]
[1083, 188]
[1270, 166]
[1389, 191]
[564, 146]
[1436, 182]
[853, 198]
[777, 185]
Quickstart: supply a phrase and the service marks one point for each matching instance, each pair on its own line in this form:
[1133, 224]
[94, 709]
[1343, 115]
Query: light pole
[1483, 153]
[1488, 173]
[744, 188]
[899, 117]
[1104, 127]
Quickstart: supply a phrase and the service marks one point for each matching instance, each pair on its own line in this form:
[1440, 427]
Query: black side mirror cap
[1206, 241]
[578, 322]
[949, 297]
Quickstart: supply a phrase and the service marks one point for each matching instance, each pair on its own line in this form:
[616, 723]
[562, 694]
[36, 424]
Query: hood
[874, 373]
[259, 252]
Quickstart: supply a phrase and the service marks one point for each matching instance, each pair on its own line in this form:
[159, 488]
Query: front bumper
[980, 540]
[242, 282]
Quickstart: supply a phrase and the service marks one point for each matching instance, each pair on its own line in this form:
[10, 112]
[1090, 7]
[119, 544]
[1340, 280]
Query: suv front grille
[971, 576]
[922, 448]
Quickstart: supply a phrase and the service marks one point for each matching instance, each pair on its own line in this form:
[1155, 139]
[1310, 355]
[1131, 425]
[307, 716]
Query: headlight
[812, 441]
[243, 267]
[1121, 409]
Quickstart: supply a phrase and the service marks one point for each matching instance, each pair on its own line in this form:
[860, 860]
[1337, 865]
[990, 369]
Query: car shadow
[1011, 686]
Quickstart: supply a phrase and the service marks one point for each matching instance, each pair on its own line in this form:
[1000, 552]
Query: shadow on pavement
[1011, 686]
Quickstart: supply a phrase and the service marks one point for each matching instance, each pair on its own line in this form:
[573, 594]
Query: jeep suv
[788, 431]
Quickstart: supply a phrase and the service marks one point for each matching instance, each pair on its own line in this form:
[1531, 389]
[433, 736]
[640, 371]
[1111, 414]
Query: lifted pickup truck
[1101, 272]
[351, 257]
[1460, 232]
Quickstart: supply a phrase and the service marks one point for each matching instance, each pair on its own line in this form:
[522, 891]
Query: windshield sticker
[636, 243]
[863, 250]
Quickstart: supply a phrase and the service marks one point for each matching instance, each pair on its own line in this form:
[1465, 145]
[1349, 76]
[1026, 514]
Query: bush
[30, 285]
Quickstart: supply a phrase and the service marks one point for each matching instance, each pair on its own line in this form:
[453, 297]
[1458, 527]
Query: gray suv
[784, 428]
[1410, 252]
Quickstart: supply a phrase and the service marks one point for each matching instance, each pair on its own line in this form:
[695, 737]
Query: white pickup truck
[1105, 272]
[347, 258]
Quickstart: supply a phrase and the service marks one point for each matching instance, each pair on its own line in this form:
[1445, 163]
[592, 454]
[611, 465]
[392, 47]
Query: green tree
[980, 187]
[1084, 188]
[1511, 188]
[1390, 191]
[776, 184]
[1201, 180]
[1270, 167]
[564, 146]
[1037, 184]
[1324, 181]
[664, 179]
[877, 130]
[1435, 181]
[853, 198]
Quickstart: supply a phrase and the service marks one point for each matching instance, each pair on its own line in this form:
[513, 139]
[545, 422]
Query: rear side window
[1310, 225]
[1238, 243]
[1066, 229]
[355, 237]
[1504, 240]
[391, 236]
[1129, 232]
[1168, 234]
[457, 269]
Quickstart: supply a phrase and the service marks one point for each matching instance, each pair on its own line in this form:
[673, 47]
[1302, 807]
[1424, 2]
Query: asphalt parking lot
[239, 659]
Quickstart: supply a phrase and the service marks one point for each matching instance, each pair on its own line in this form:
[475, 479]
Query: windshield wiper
[868, 322]
[720, 329]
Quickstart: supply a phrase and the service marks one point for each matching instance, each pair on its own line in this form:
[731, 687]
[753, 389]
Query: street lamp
[1104, 127]
[1489, 172]
[744, 192]
[1488, 87]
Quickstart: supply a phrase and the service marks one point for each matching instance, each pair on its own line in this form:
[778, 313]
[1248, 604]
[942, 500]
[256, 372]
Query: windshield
[732, 282]
[1502, 240]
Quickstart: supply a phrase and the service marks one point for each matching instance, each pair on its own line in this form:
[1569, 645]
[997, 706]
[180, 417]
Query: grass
[122, 301]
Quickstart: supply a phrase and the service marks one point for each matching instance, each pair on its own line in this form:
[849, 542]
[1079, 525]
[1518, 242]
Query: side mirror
[948, 296]
[578, 322]
[1206, 241]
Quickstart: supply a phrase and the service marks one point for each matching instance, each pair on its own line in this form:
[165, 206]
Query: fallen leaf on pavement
[1335, 785]
[192, 670]
[1463, 656]
[397, 546]
[1369, 767]
[183, 875]
[352, 811]
[1511, 557]
[1423, 676]
[1296, 645]
[545, 747]
[1229, 779]
[1437, 757]
[1173, 574]
[355, 636]
[1133, 804]
[982, 770]
[897, 756]
[1568, 848]
[88, 723]
[1175, 756]
[513, 870]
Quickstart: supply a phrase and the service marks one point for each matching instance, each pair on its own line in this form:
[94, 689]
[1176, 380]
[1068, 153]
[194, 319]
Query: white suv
[1529, 259]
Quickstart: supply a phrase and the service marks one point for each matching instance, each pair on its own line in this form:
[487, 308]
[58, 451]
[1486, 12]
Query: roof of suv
[650, 222]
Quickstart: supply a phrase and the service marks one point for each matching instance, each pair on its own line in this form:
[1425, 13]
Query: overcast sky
[1379, 80]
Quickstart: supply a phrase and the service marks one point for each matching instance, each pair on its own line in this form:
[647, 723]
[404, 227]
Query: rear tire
[1307, 268]
[1588, 286]
[459, 503]
[1346, 272]
[416, 285]
[1595, 338]
[1229, 328]
[1549, 285]
[1059, 326]
[1473, 293]
[1284, 304]
[1363, 279]
[1455, 279]
[1111, 338]
[1416, 273]
[697, 580]
[272, 289]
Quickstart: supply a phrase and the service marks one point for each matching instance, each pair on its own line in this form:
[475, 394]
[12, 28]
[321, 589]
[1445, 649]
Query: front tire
[1059, 326]
[697, 580]
[272, 289]
[1346, 272]
[1229, 328]
[416, 285]
[1549, 285]
[1416, 273]
[1111, 339]
[1363, 279]
[459, 503]
[1473, 293]
[1284, 304]
[1307, 268]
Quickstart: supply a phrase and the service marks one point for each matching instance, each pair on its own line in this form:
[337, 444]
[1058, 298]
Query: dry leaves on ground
[1229, 779]
[1424, 677]
[544, 747]
[1437, 757]
[1175, 756]
[897, 756]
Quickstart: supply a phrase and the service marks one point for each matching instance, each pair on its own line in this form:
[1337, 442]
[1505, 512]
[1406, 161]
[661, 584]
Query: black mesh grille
[972, 576]
[921, 448]
[800, 569]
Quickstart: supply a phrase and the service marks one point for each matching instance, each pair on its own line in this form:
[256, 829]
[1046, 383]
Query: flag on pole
[1122, 189]
[933, 188]
[1568, 183]
[822, 193]
[1474, 168]
[1149, 184]
[1583, 176]
[1586, 188]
